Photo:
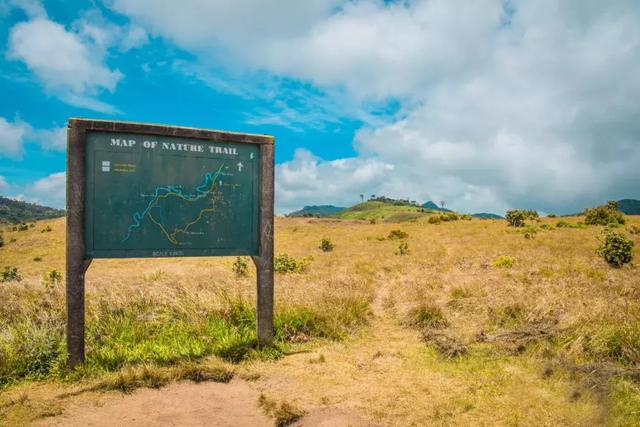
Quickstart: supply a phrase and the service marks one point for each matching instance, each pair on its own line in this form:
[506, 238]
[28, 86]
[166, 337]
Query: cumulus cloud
[306, 179]
[12, 137]
[48, 191]
[4, 185]
[54, 139]
[70, 62]
[505, 104]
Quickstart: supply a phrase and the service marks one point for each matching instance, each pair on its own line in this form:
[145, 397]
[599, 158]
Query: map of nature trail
[204, 190]
[167, 196]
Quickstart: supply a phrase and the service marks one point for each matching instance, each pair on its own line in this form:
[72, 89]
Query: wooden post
[264, 261]
[76, 264]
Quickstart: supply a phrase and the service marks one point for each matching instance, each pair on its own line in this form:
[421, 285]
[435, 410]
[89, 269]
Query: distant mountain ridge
[431, 205]
[629, 206]
[15, 211]
[317, 210]
[486, 215]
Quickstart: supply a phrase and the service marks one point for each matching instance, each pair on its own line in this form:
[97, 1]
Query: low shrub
[552, 216]
[47, 229]
[326, 245]
[515, 218]
[449, 216]
[616, 248]
[504, 261]
[52, 278]
[567, 224]
[530, 232]
[634, 229]
[10, 274]
[283, 263]
[604, 215]
[397, 235]
[435, 219]
[240, 267]
[23, 227]
[403, 249]
[1, 240]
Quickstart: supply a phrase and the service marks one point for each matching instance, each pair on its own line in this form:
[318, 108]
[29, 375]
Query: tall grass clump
[146, 330]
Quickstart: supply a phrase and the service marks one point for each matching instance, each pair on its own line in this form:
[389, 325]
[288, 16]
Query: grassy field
[469, 323]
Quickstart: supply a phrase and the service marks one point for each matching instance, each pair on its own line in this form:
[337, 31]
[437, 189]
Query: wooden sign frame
[76, 254]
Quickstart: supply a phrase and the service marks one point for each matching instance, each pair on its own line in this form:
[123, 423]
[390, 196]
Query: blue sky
[486, 105]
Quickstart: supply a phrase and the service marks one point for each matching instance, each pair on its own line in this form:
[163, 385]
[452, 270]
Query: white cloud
[505, 104]
[4, 185]
[54, 139]
[48, 191]
[309, 180]
[69, 63]
[12, 137]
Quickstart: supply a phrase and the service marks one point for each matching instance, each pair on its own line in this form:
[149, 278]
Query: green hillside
[381, 211]
[317, 211]
[629, 206]
[15, 211]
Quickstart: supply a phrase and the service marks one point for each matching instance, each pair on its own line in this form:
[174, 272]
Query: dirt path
[182, 403]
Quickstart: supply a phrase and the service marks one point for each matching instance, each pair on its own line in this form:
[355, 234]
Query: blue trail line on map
[200, 192]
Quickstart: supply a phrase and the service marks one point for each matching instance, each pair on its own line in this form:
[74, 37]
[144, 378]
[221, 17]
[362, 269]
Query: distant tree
[362, 198]
[442, 204]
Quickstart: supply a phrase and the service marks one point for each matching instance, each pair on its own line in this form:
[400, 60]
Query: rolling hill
[317, 211]
[629, 206]
[15, 211]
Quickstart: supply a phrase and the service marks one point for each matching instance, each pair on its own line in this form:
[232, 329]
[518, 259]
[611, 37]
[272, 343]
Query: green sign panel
[163, 196]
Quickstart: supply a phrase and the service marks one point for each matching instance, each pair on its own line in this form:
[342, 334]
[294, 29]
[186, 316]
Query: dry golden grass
[553, 339]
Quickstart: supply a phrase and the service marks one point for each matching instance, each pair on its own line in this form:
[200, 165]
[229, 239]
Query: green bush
[634, 229]
[23, 227]
[240, 267]
[530, 232]
[326, 245]
[1, 240]
[403, 249]
[515, 218]
[552, 216]
[397, 235]
[283, 263]
[10, 274]
[616, 248]
[52, 278]
[567, 224]
[449, 216]
[504, 261]
[435, 219]
[47, 229]
[604, 215]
